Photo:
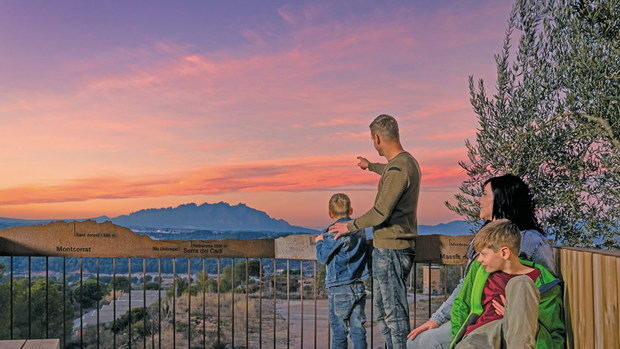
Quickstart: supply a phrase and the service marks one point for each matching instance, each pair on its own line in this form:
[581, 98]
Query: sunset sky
[113, 106]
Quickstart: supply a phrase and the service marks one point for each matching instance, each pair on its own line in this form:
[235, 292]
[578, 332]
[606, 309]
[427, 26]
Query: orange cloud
[292, 175]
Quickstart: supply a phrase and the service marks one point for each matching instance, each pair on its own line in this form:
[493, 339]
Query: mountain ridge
[219, 217]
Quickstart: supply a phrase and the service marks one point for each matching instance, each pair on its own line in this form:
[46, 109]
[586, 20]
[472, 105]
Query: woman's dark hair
[512, 200]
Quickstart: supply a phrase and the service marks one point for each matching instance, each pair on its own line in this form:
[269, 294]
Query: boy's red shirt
[495, 286]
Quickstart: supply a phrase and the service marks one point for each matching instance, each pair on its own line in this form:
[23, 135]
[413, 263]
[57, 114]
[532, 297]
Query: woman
[507, 197]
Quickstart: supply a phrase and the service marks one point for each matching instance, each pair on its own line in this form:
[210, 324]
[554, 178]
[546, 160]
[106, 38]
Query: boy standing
[346, 266]
[506, 302]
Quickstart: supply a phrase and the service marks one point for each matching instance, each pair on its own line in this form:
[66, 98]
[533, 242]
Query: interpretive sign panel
[92, 239]
[443, 249]
[301, 246]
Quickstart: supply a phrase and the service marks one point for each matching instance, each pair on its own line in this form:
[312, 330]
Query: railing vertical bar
[98, 285]
[429, 290]
[153, 322]
[219, 264]
[274, 290]
[372, 309]
[410, 280]
[174, 302]
[301, 298]
[288, 303]
[415, 295]
[205, 274]
[329, 332]
[232, 304]
[315, 302]
[129, 312]
[247, 303]
[260, 303]
[64, 301]
[114, 281]
[11, 303]
[189, 302]
[159, 302]
[81, 306]
[29, 297]
[144, 322]
[47, 296]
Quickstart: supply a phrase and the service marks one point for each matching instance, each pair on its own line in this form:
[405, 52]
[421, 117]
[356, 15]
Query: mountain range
[220, 217]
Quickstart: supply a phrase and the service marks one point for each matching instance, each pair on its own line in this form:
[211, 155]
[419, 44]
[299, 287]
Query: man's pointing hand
[363, 163]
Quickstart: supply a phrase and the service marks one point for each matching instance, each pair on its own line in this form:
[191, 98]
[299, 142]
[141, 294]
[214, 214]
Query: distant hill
[450, 228]
[219, 220]
[217, 217]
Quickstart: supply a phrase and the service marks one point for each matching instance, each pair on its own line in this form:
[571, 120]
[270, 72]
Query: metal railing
[100, 285]
[177, 304]
[243, 298]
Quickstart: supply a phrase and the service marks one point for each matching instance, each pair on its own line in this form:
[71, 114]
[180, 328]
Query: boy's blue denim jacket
[345, 259]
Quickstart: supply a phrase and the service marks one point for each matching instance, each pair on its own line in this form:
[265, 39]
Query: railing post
[205, 275]
[98, 286]
[174, 302]
[247, 304]
[189, 303]
[129, 312]
[47, 298]
[30, 297]
[260, 303]
[232, 304]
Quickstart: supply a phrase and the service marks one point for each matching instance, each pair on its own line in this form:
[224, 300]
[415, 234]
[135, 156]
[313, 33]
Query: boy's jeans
[347, 315]
[390, 269]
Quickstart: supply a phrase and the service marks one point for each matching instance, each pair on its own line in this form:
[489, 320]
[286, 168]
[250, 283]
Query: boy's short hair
[386, 126]
[497, 234]
[339, 205]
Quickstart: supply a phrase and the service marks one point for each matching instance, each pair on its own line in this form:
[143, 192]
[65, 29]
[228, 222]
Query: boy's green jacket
[467, 306]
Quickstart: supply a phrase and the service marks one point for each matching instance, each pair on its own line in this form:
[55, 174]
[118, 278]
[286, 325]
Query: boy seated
[346, 265]
[506, 302]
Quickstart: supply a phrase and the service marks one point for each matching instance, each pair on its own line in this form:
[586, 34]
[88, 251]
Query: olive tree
[554, 119]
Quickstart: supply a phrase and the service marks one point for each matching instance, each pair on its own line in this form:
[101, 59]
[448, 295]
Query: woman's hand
[428, 325]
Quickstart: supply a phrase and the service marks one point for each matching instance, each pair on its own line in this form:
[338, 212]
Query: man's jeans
[347, 315]
[390, 269]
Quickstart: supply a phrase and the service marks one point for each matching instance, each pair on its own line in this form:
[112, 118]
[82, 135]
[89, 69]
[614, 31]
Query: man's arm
[364, 164]
[376, 167]
[395, 182]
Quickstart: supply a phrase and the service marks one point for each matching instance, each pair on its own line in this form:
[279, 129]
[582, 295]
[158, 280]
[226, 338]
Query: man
[393, 217]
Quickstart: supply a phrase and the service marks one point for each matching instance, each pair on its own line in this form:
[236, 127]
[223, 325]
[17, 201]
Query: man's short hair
[497, 234]
[386, 126]
[339, 205]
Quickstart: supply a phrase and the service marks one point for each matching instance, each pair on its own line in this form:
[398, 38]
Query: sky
[111, 107]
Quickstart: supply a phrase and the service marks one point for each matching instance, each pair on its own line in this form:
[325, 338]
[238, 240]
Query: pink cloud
[178, 109]
[300, 174]
[286, 15]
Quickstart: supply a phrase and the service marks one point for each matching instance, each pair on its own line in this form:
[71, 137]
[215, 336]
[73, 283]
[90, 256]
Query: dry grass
[204, 322]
